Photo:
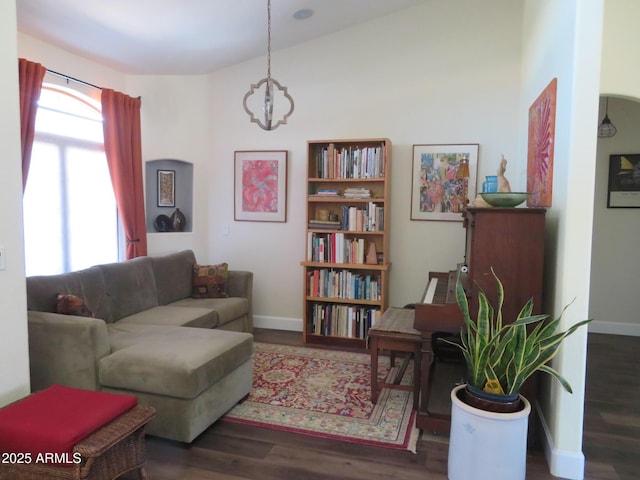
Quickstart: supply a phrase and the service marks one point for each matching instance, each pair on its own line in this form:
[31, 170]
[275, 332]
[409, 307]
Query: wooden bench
[394, 332]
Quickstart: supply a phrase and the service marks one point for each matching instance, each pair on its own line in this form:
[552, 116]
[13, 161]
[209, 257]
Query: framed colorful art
[260, 186]
[443, 179]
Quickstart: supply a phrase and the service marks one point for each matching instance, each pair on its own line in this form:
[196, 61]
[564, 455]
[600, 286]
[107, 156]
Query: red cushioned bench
[64, 432]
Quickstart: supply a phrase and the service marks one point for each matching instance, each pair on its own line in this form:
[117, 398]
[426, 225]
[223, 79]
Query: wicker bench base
[107, 453]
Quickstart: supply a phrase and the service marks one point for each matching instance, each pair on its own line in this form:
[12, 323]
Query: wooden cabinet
[511, 241]
[346, 269]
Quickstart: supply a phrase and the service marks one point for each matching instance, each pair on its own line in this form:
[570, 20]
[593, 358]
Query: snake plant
[500, 357]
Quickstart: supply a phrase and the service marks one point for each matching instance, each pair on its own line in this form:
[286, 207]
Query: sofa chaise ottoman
[189, 358]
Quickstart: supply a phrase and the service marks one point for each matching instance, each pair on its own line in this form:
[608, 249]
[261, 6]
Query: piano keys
[438, 314]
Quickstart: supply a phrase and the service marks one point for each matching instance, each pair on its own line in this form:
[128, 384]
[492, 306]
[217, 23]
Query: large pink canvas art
[542, 126]
[260, 186]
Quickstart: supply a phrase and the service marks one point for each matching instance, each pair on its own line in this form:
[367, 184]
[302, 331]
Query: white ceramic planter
[486, 445]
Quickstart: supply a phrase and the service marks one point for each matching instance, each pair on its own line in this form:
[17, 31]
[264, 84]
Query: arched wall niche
[180, 196]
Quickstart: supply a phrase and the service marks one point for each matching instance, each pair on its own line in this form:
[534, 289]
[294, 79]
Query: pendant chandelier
[267, 123]
[606, 128]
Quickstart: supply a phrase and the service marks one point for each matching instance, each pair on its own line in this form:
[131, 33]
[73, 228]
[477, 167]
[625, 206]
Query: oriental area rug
[326, 393]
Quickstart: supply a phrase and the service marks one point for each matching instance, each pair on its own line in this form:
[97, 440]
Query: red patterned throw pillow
[68, 304]
[210, 281]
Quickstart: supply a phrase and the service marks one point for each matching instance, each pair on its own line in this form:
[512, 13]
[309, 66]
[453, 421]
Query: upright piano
[511, 240]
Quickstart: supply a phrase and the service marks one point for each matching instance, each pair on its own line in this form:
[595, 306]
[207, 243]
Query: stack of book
[357, 192]
[327, 192]
[325, 224]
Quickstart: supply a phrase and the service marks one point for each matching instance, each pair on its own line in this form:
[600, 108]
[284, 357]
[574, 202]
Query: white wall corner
[562, 463]
[277, 323]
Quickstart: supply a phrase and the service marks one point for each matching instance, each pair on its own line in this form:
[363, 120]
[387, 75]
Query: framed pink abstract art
[260, 186]
[542, 129]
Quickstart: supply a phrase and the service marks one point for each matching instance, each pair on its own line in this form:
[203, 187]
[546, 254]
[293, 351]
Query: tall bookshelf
[346, 282]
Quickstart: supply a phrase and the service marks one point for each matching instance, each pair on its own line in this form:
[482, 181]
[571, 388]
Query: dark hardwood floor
[228, 451]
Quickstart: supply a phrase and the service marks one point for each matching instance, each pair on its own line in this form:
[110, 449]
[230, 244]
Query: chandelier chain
[269, 39]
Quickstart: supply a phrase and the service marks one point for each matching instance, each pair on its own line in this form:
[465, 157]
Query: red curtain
[30, 79]
[122, 145]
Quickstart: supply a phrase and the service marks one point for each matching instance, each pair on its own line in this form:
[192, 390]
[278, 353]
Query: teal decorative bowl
[504, 199]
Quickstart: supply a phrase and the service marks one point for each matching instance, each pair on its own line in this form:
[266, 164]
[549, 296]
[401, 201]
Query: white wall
[563, 40]
[614, 271]
[614, 267]
[620, 64]
[14, 358]
[70, 64]
[175, 124]
[425, 75]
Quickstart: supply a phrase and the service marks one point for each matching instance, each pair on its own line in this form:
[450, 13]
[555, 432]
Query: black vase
[162, 223]
[178, 221]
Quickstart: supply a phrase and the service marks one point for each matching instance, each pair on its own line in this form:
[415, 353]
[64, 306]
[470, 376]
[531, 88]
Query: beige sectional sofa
[142, 341]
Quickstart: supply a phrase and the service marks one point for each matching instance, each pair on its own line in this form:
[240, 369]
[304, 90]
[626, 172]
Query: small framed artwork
[624, 181]
[443, 180]
[166, 188]
[260, 183]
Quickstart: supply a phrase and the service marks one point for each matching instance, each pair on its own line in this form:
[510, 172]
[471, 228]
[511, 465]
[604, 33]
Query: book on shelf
[335, 248]
[350, 162]
[368, 219]
[344, 284]
[343, 320]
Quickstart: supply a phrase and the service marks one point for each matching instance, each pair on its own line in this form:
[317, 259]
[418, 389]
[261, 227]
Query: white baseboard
[278, 323]
[295, 325]
[615, 328]
[562, 463]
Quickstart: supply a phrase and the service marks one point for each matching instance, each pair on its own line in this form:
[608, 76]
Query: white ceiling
[187, 36]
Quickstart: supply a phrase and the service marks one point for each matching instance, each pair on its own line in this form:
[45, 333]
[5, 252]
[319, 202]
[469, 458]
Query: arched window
[70, 214]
